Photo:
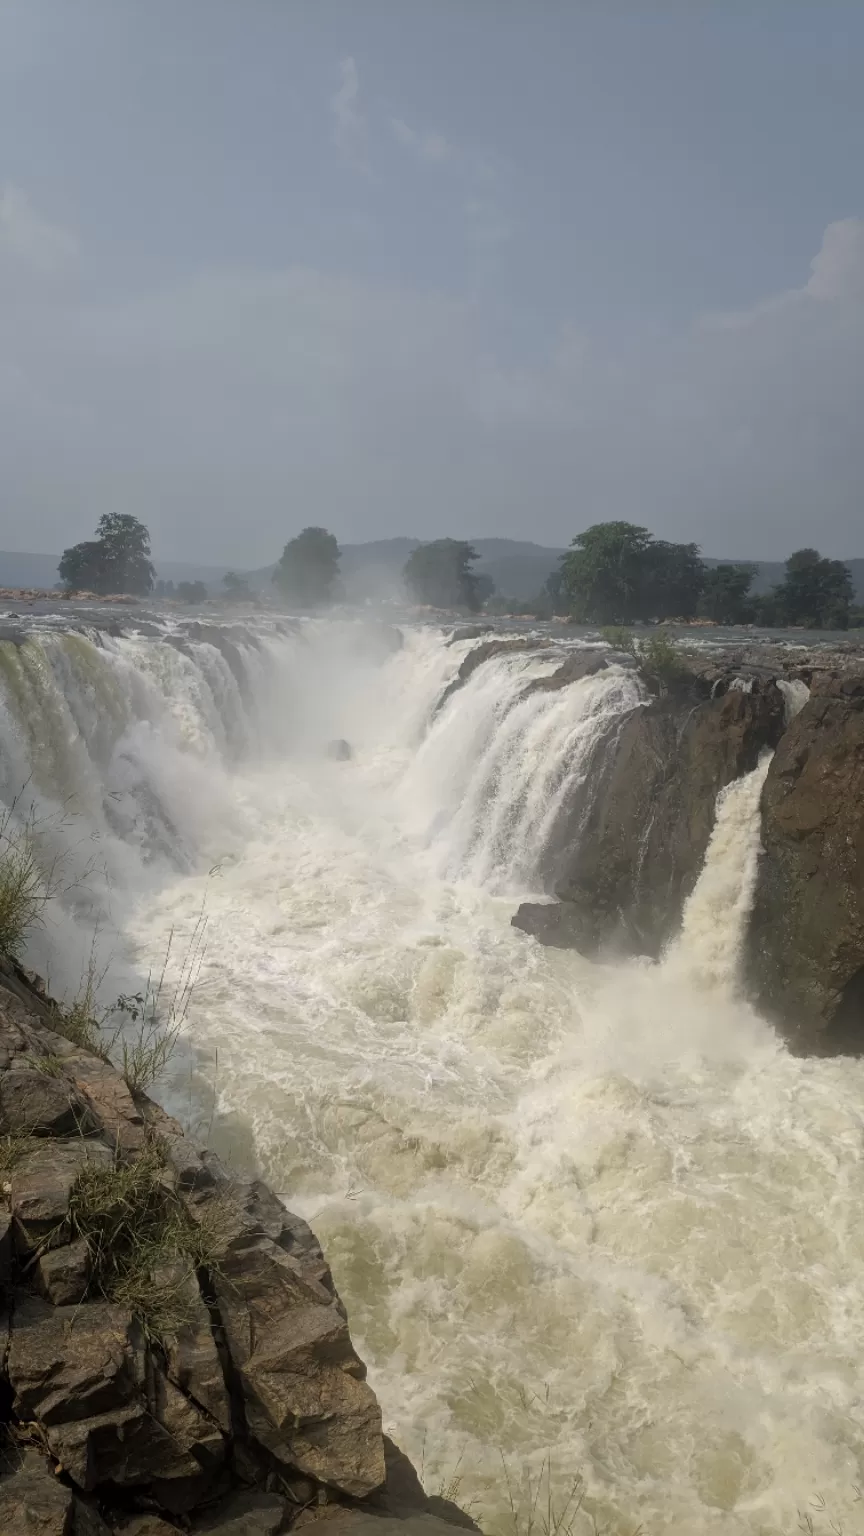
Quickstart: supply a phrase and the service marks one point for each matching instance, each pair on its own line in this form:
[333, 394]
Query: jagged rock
[574, 667]
[5, 1249]
[62, 1275]
[246, 1514]
[37, 1104]
[339, 750]
[805, 947]
[486, 652]
[640, 823]
[193, 1359]
[304, 1389]
[32, 1500]
[262, 1367]
[470, 632]
[40, 1186]
[109, 1100]
[108, 1412]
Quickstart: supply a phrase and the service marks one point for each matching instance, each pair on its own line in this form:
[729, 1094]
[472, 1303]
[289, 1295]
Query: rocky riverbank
[176, 1357]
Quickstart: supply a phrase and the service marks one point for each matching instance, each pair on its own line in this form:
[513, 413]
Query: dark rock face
[250, 1407]
[639, 828]
[805, 961]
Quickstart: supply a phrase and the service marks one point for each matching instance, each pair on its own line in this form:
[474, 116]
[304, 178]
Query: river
[590, 1220]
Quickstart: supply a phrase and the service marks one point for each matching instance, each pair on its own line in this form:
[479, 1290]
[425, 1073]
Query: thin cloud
[836, 272]
[29, 240]
[349, 121]
[429, 146]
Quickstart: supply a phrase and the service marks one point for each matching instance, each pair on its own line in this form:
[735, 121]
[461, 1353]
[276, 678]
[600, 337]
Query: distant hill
[518, 568]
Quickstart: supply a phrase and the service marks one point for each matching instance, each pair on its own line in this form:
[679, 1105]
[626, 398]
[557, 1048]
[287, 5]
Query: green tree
[675, 578]
[309, 568]
[725, 597]
[616, 573]
[192, 592]
[816, 592]
[440, 575]
[117, 560]
[236, 588]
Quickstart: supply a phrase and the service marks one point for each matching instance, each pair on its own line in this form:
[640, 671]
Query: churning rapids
[586, 1217]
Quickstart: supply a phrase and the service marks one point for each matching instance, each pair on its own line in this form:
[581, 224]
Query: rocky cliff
[629, 849]
[637, 829]
[805, 957]
[176, 1357]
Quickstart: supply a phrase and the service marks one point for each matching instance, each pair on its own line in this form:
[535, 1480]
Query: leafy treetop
[308, 570]
[440, 575]
[117, 560]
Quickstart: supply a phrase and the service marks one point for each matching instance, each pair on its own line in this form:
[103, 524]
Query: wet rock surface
[629, 850]
[805, 950]
[246, 1407]
[633, 842]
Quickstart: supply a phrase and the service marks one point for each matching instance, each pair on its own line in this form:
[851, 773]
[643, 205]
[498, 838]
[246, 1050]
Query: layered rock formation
[176, 1356]
[629, 848]
[637, 829]
[805, 960]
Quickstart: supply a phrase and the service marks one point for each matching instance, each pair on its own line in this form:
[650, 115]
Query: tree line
[619, 573]
[613, 573]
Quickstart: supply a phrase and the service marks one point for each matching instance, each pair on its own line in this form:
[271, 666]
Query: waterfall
[708, 947]
[587, 1216]
[500, 760]
[795, 695]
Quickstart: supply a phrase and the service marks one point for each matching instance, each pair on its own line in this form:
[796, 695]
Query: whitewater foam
[581, 1215]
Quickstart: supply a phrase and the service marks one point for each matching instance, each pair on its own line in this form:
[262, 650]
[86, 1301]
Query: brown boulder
[805, 948]
[305, 1395]
[109, 1413]
[40, 1187]
[36, 1104]
[33, 1502]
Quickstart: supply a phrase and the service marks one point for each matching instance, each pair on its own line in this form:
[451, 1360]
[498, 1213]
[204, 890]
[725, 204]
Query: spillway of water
[586, 1217]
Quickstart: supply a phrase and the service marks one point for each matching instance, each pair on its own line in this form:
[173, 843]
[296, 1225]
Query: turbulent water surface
[585, 1218]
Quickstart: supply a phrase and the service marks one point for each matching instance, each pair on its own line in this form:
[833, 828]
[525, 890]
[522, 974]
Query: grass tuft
[145, 1249]
[13, 1147]
[22, 889]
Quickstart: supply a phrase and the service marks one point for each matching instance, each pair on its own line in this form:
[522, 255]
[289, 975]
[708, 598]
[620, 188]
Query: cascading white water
[795, 695]
[582, 1215]
[712, 928]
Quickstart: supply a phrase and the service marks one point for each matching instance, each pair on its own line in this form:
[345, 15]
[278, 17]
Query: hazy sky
[432, 266]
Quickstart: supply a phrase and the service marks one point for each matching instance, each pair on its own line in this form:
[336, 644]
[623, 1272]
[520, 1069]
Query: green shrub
[659, 657]
[620, 639]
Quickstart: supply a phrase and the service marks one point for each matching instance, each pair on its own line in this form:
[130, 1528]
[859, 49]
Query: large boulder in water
[805, 960]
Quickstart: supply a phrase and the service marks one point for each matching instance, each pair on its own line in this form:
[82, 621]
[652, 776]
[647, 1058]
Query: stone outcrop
[245, 1406]
[636, 830]
[805, 959]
